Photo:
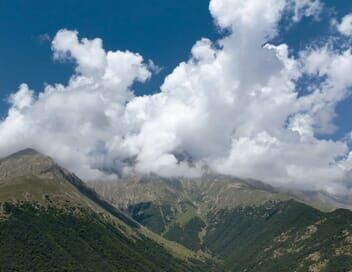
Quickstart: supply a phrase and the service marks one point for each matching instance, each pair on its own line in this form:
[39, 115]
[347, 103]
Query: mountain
[51, 221]
[247, 225]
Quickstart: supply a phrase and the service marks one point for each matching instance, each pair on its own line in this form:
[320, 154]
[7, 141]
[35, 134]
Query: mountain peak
[25, 163]
[38, 194]
[25, 152]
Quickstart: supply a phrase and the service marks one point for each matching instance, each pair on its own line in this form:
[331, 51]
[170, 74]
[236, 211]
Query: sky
[253, 89]
[163, 31]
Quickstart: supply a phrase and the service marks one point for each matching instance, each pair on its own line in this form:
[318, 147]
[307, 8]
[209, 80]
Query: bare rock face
[206, 192]
[29, 162]
[28, 175]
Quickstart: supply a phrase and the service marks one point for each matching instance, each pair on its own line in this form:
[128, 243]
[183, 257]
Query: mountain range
[246, 224]
[50, 220]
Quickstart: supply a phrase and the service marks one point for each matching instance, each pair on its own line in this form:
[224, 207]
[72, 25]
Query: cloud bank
[235, 107]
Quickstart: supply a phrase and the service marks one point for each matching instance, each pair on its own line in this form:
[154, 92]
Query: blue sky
[163, 31]
[236, 99]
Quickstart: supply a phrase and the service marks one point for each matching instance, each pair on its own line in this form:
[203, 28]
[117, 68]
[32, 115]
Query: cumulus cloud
[74, 123]
[234, 106]
[345, 27]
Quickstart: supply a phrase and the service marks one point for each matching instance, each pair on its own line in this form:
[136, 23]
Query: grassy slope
[275, 236]
[36, 239]
[285, 236]
[32, 238]
[183, 217]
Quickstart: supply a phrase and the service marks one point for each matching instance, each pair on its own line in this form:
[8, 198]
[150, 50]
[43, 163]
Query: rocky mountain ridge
[248, 225]
[51, 221]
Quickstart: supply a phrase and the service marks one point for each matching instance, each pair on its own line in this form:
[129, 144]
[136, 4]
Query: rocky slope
[248, 225]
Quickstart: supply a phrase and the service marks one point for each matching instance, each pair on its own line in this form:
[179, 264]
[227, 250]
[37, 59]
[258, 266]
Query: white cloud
[22, 98]
[233, 106]
[72, 123]
[345, 27]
